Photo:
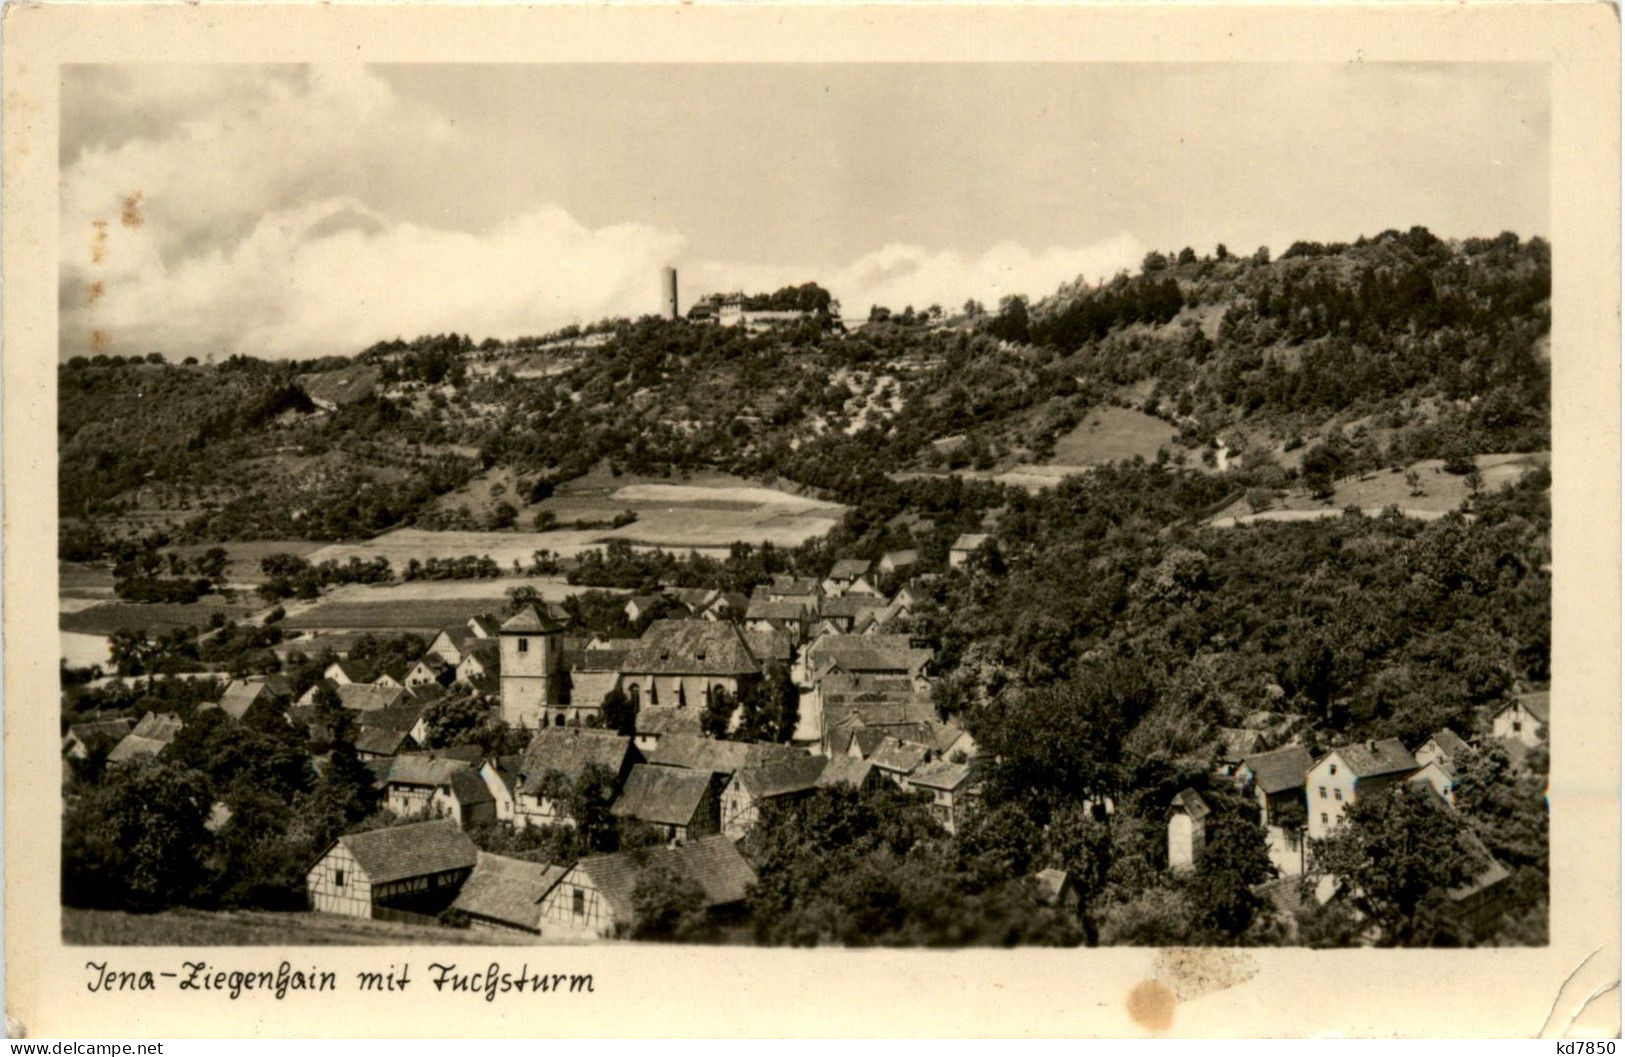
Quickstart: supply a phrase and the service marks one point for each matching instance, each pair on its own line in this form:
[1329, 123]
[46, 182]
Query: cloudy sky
[297, 211]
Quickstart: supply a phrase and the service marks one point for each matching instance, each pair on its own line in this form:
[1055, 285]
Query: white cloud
[260, 232]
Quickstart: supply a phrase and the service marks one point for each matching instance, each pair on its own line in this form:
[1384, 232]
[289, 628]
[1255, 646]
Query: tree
[1397, 855]
[139, 840]
[620, 712]
[720, 707]
[668, 905]
[1234, 859]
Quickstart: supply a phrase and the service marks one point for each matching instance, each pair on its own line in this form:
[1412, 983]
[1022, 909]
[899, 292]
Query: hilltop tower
[668, 292]
[532, 645]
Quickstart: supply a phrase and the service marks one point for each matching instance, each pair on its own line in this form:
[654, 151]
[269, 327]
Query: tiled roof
[663, 795]
[668, 721]
[605, 659]
[570, 751]
[849, 569]
[763, 609]
[940, 775]
[900, 559]
[417, 769]
[506, 890]
[1450, 743]
[469, 788]
[135, 746]
[691, 647]
[768, 644]
[711, 862]
[398, 852]
[782, 775]
[531, 619]
[1367, 759]
[1538, 703]
[844, 770]
[898, 756]
[402, 717]
[970, 541]
[1190, 801]
[369, 697]
[239, 696]
[1280, 769]
[102, 730]
[697, 752]
[378, 741]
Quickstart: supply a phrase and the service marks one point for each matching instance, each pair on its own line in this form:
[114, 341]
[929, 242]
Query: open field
[247, 928]
[1441, 492]
[76, 580]
[243, 558]
[1112, 434]
[708, 513]
[422, 615]
[155, 617]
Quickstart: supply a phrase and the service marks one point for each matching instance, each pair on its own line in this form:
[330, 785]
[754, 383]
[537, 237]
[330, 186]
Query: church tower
[532, 645]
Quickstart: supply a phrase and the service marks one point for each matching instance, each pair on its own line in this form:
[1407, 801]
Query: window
[1516, 726]
[338, 878]
[1323, 820]
[524, 645]
[1338, 793]
[578, 902]
[1323, 792]
[1334, 768]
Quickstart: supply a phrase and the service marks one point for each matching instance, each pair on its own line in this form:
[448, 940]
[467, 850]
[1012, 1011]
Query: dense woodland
[1093, 648]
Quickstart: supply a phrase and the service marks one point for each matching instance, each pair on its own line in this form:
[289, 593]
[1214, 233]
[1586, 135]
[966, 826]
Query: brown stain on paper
[131, 217]
[1191, 972]
[99, 340]
[1152, 1006]
[98, 242]
[94, 293]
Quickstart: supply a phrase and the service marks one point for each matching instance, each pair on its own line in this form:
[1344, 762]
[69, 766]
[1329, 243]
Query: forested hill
[1372, 354]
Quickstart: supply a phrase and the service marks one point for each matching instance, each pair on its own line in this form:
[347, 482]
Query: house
[1187, 829]
[727, 605]
[896, 759]
[775, 780]
[564, 753]
[440, 787]
[430, 670]
[397, 871]
[378, 743]
[344, 671]
[964, 547]
[1277, 779]
[87, 739]
[844, 613]
[656, 724]
[1056, 888]
[697, 752]
[594, 896]
[1438, 775]
[1348, 772]
[451, 645]
[694, 600]
[504, 895]
[788, 617]
[680, 804]
[406, 717]
[1234, 745]
[850, 772]
[844, 573]
[783, 588]
[369, 697]
[899, 563]
[533, 670]
[1522, 718]
[868, 655]
[639, 607]
[482, 660]
[149, 737]
[948, 784]
[1444, 745]
[242, 694]
[681, 662]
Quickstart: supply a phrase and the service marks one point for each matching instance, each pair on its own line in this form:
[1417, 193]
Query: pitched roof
[469, 788]
[402, 717]
[899, 756]
[696, 752]
[667, 796]
[850, 606]
[711, 862]
[691, 647]
[531, 619]
[1280, 769]
[377, 741]
[849, 569]
[418, 769]
[940, 775]
[134, 746]
[1051, 883]
[1190, 801]
[1538, 704]
[783, 584]
[668, 721]
[239, 695]
[1367, 759]
[507, 890]
[487, 651]
[570, 751]
[763, 609]
[844, 770]
[901, 559]
[1236, 742]
[101, 730]
[606, 658]
[782, 775]
[369, 697]
[768, 644]
[398, 852]
[469, 754]
[1450, 743]
[970, 541]
[352, 669]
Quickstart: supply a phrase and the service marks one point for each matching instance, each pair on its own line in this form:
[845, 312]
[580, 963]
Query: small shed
[1187, 829]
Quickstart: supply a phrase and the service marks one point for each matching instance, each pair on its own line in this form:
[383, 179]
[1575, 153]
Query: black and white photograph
[678, 506]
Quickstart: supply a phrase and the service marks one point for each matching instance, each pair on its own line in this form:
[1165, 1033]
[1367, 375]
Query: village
[661, 718]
